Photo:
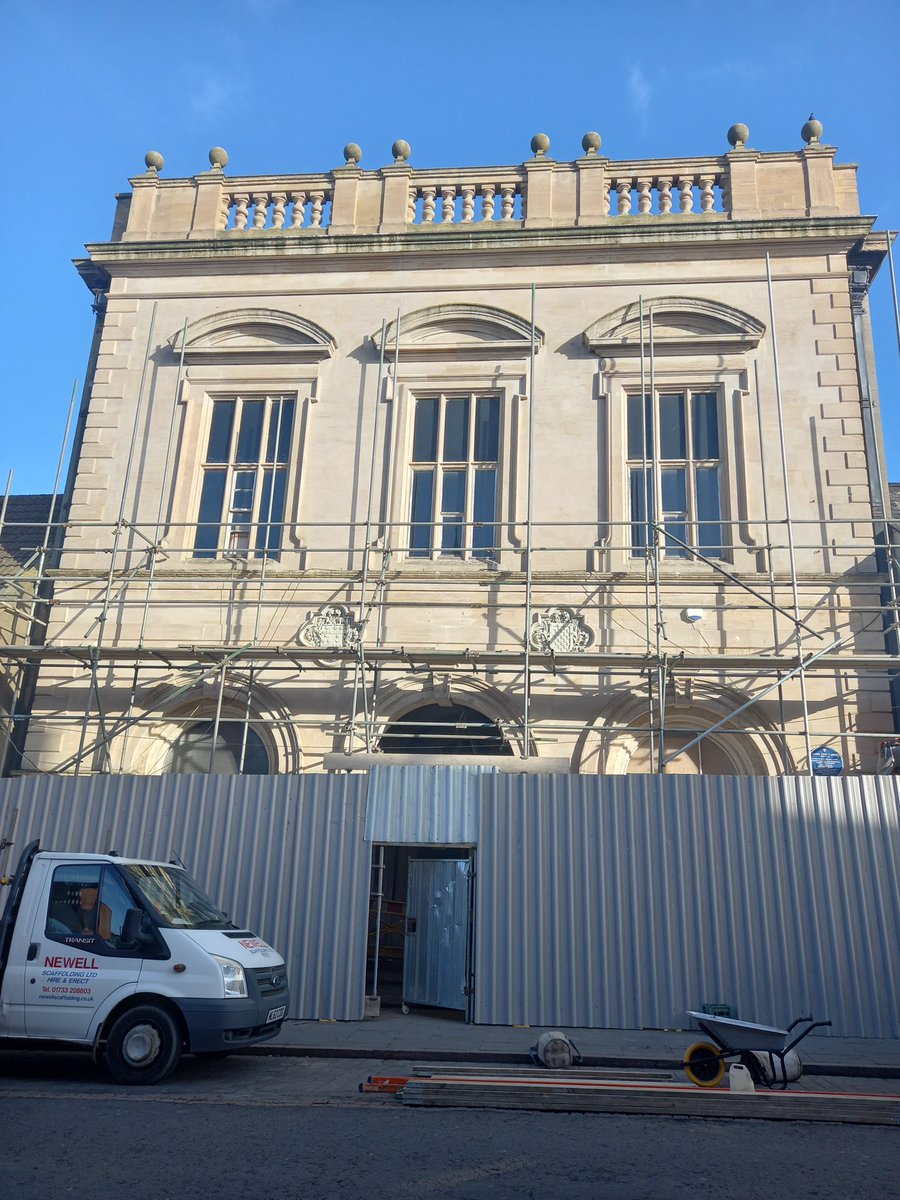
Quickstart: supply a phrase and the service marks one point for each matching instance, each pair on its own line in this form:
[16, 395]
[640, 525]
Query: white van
[132, 959]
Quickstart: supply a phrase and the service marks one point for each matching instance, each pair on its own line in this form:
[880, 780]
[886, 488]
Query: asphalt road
[287, 1127]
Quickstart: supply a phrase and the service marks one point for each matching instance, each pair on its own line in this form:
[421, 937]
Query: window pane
[709, 508]
[281, 426]
[425, 432]
[271, 519]
[453, 510]
[250, 435]
[220, 432]
[674, 503]
[487, 429]
[640, 441]
[420, 511]
[641, 491]
[484, 537]
[671, 427]
[456, 430]
[706, 425]
[242, 497]
[206, 540]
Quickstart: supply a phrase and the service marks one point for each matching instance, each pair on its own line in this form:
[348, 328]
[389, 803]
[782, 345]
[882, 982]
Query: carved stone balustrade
[540, 193]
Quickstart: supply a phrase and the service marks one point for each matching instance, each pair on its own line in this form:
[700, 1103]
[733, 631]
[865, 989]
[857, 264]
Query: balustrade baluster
[707, 198]
[241, 205]
[428, 198]
[448, 203]
[224, 211]
[685, 187]
[645, 200]
[604, 201]
[508, 192]
[298, 199]
[488, 192]
[468, 204]
[664, 189]
[315, 216]
[411, 205]
[279, 200]
[623, 187]
[260, 209]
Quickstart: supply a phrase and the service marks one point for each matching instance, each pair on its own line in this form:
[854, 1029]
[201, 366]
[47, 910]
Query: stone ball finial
[352, 154]
[154, 161]
[812, 131]
[540, 144]
[738, 136]
[401, 151]
[218, 158]
[591, 142]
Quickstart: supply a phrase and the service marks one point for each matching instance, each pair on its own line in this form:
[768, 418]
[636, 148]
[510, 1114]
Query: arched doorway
[444, 729]
[236, 743]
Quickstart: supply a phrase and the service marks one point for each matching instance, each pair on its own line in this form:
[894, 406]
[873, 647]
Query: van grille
[270, 980]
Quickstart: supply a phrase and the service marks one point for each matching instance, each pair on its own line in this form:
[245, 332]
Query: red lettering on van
[73, 964]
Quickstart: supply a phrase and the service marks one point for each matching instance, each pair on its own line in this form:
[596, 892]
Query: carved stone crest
[559, 631]
[331, 628]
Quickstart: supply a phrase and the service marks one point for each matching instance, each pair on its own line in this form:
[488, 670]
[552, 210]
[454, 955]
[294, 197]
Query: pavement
[436, 1036]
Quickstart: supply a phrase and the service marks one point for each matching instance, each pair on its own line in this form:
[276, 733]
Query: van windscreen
[175, 899]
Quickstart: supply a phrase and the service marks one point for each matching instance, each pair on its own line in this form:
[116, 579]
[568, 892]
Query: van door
[75, 960]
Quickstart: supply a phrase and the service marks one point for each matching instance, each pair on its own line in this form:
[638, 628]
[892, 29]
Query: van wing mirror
[135, 929]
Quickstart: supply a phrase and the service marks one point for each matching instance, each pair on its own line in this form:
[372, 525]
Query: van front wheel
[144, 1046]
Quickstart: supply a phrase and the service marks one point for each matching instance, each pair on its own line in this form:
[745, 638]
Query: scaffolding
[838, 624]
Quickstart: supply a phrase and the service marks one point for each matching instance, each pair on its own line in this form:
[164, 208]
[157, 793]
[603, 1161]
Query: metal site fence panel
[283, 855]
[623, 902]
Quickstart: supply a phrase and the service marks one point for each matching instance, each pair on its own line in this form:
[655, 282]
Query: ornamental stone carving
[331, 628]
[559, 631]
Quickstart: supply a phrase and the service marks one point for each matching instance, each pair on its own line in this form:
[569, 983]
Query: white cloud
[639, 90]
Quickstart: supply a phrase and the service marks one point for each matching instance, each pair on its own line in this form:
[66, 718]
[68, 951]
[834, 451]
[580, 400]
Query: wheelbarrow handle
[800, 1036]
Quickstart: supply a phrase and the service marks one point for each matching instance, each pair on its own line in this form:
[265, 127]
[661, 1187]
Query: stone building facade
[363, 469]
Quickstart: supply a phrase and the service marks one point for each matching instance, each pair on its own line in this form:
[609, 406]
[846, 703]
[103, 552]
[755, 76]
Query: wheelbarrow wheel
[704, 1064]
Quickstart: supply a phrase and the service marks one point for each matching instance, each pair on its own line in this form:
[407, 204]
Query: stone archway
[612, 745]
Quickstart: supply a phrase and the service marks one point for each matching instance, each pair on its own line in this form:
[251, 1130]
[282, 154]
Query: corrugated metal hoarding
[283, 854]
[620, 902]
[601, 901]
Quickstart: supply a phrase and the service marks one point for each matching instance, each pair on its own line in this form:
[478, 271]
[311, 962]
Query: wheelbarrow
[762, 1049]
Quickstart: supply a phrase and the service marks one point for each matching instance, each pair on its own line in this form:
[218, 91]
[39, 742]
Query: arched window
[236, 744]
[444, 729]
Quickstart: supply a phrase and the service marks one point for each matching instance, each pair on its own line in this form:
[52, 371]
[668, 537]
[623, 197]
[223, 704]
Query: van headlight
[233, 978]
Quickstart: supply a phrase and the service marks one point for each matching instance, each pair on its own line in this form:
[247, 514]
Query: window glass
[238, 497]
[206, 540]
[281, 427]
[271, 512]
[177, 900]
[487, 429]
[87, 908]
[640, 438]
[250, 435]
[237, 744]
[422, 500]
[425, 432]
[706, 425]
[672, 433]
[453, 506]
[484, 535]
[220, 431]
[709, 510]
[687, 491]
[456, 430]
[453, 509]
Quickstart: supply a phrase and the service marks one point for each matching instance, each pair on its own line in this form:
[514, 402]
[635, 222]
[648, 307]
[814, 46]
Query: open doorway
[419, 950]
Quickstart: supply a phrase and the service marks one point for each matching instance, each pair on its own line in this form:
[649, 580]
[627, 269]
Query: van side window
[87, 908]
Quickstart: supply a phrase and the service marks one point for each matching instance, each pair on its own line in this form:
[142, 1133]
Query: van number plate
[276, 1014]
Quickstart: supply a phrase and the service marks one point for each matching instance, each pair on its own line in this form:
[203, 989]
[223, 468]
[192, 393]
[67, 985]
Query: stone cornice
[630, 234]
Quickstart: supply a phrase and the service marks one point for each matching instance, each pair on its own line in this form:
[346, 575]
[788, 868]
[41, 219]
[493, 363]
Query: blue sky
[88, 87]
